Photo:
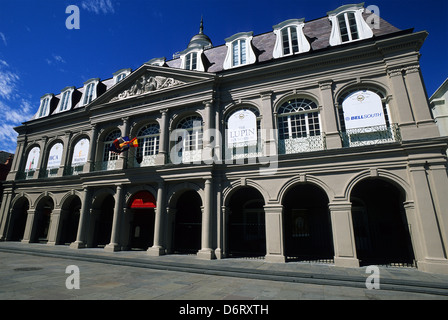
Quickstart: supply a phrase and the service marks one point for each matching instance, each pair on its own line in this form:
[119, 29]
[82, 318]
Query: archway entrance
[246, 228]
[103, 217]
[42, 220]
[141, 221]
[188, 223]
[70, 220]
[380, 224]
[18, 220]
[307, 224]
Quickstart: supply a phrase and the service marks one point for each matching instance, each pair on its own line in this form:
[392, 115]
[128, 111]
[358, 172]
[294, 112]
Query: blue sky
[39, 55]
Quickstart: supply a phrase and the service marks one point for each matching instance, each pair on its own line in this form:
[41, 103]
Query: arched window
[193, 125]
[364, 118]
[32, 162]
[109, 157]
[188, 140]
[299, 127]
[80, 153]
[148, 144]
[54, 160]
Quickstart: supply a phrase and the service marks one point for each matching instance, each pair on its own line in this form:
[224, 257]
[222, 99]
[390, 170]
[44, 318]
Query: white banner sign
[55, 156]
[242, 128]
[33, 158]
[80, 152]
[363, 109]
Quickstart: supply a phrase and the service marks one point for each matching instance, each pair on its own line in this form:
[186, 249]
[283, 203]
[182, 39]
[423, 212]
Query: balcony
[299, 145]
[370, 136]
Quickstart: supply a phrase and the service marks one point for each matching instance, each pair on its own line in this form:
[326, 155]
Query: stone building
[311, 142]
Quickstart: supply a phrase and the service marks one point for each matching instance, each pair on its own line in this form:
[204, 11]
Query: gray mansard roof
[317, 32]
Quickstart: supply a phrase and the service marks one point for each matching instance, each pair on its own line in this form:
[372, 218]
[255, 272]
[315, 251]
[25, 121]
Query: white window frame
[364, 30]
[237, 40]
[302, 42]
[120, 75]
[45, 104]
[66, 96]
[186, 61]
[148, 144]
[92, 93]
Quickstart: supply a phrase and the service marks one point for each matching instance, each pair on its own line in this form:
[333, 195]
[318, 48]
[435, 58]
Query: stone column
[43, 152]
[419, 102]
[90, 165]
[161, 158]
[328, 116]
[157, 249]
[17, 166]
[225, 230]
[123, 157]
[5, 214]
[268, 132]
[428, 229]
[29, 227]
[55, 227]
[118, 210]
[206, 251]
[81, 240]
[65, 163]
[343, 234]
[274, 233]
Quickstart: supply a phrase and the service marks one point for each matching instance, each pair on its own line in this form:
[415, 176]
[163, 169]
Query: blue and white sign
[363, 109]
[55, 156]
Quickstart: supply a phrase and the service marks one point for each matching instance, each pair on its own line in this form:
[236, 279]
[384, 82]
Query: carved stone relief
[145, 84]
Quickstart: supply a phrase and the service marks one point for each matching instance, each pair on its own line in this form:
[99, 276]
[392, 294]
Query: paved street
[25, 277]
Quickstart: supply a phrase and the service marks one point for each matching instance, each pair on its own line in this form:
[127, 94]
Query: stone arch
[378, 173]
[295, 94]
[133, 190]
[235, 185]
[175, 191]
[363, 84]
[230, 108]
[305, 179]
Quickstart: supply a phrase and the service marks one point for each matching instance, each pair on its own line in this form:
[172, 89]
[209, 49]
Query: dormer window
[290, 38]
[89, 91]
[121, 74]
[239, 50]
[348, 24]
[44, 108]
[191, 61]
[66, 99]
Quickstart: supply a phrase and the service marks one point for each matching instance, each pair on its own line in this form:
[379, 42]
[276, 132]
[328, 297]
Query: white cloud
[55, 59]
[14, 109]
[8, 81]
[2, 36]
[98, 6]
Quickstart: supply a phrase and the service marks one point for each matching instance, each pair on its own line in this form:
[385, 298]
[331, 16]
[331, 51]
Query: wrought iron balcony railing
[370, 136]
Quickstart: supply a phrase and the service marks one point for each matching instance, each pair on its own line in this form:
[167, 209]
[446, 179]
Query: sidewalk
[398, 281]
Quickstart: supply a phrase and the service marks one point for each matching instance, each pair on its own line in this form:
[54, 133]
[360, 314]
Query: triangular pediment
[149, 80]
[147, 83]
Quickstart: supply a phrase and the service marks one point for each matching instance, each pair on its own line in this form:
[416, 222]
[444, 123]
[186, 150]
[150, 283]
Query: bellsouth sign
[363, 109]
